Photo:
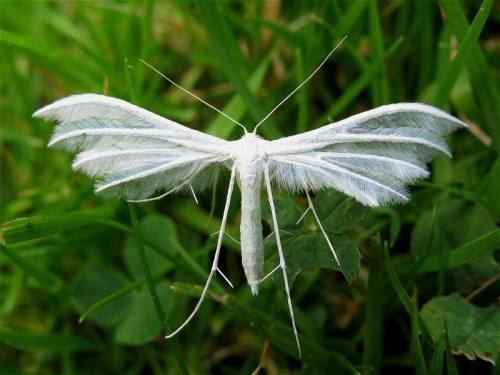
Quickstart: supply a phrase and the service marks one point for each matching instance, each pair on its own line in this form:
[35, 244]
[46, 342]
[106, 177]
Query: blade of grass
[228, 51]
[22, 230]
[47, 279]
[67, 67]
[424, 18]
[416, 346]
[482, 82]
[463, 254]
[357, 87]
[451, 365]
[236, 107]
[351, 17]
[436, 367]
[280, 334]
[415, 265]
[152, 289]
[374, 317]
[54, 342]
[467, 44]
[404, 298]
[302, 95]
[380, 86]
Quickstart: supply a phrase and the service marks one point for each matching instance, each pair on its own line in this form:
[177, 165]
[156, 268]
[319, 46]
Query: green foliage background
[418, 285]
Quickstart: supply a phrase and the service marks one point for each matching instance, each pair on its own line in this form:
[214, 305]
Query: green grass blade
[380, 86]
[416, 346]
[302, 95]
[451, 365]
[436, 367]
[467, 44]
[482, 82]
[151, 287]
[228, 51]
[236, 107]
[425, 19]
[404, 298]
[51, 342]
[357, 86]
[463, 254]
[374, 315]
[47, 279]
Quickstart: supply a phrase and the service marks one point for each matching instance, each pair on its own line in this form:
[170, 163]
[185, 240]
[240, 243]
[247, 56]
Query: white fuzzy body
[249, 161]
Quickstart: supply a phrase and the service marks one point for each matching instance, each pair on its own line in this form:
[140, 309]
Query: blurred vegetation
[73, 298]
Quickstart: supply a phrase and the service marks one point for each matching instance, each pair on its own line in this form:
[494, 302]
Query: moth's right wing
[370, 156]
[132, 152]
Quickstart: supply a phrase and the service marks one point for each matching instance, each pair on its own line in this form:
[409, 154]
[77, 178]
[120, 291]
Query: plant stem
[151, 286]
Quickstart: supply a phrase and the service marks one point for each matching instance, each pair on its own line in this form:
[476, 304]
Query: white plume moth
[134, 153]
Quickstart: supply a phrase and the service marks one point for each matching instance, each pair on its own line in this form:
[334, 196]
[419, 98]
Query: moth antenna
[282, 263]
[299, 86]
[193, 95]
[311, 206]
[216, 256]
[225, 278]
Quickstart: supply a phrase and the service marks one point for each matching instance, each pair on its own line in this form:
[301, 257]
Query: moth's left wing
[370, 156]
[132, 152]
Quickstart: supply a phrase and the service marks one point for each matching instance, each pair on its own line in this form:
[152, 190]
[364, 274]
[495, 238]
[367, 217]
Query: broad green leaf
[141, 325]
[308, 251]
[287, 212]
[155, 229]
[337, 211]
[95, 282]
[50, 342]
[473, 331]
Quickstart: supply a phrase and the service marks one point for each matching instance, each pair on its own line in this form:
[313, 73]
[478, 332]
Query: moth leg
[173, 190]
[311, 206]
[281, 230]
[303, 215]
[194, 194]
[228, 236]
[225, 277]
[270, 273]
[281, 256]
[216, 256]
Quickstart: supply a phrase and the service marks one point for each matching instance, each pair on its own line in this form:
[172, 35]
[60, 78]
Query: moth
[135, 154]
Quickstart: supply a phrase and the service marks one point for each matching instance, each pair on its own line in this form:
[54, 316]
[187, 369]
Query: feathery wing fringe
[131, 151]
[370, 156]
